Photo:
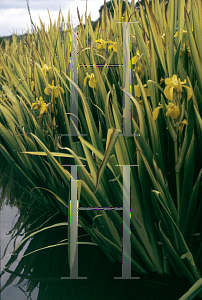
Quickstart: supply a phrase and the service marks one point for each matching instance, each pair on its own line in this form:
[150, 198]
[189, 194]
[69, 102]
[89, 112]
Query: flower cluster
[51, 89]
[173, 92]
[175, 84]
[184, 42]
[40, 105]
[103, 45]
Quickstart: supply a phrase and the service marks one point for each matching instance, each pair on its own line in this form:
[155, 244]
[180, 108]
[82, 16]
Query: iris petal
[137, 91]
[156, 112]
[48, 90]
[147, 92]
[168, 92]
[172, 111]
[33, 105]
[85, 79]
[92, 83]
[189, 92]
[43, 108]
[134, 60]
[168, 81]
[56, 93]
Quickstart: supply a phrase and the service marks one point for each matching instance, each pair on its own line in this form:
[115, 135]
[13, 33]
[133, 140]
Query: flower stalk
[177, 176]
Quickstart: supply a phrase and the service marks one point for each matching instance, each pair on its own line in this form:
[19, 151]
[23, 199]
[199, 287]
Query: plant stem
[177, 177]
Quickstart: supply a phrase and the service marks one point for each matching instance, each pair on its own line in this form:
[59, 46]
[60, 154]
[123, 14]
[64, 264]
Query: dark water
[7, 218]
[46, 268]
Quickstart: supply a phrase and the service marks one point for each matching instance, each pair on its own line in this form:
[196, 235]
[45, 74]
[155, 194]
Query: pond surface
[46, 268]
[7, 221]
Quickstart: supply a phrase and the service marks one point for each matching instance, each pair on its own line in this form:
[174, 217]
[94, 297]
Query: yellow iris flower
[183, 33]
[102, 44]
[173, 111]
[176, 33]
[113, 46]
[175, 83]
[46, 69]
[50, 89]
[156, 111]
[138, 92]
[135, 58]
[54, 122]
[92, 82]
[140, 70]
[183, 123]
[184, 42]
[40, 104]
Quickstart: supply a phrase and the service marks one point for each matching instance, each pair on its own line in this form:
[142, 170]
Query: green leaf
[192, 210]
[112, 136]
[17, 83]
[187, 139]
[174, 257]
[156, 35]
[198, 118]
[189, 257]
[37, 231]
[140, 115]
[181, 6]
[63, 173]
[187, 181]
[89, 118]
[193, 291]
[169, 36]
[154, 136]
[194, 51]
